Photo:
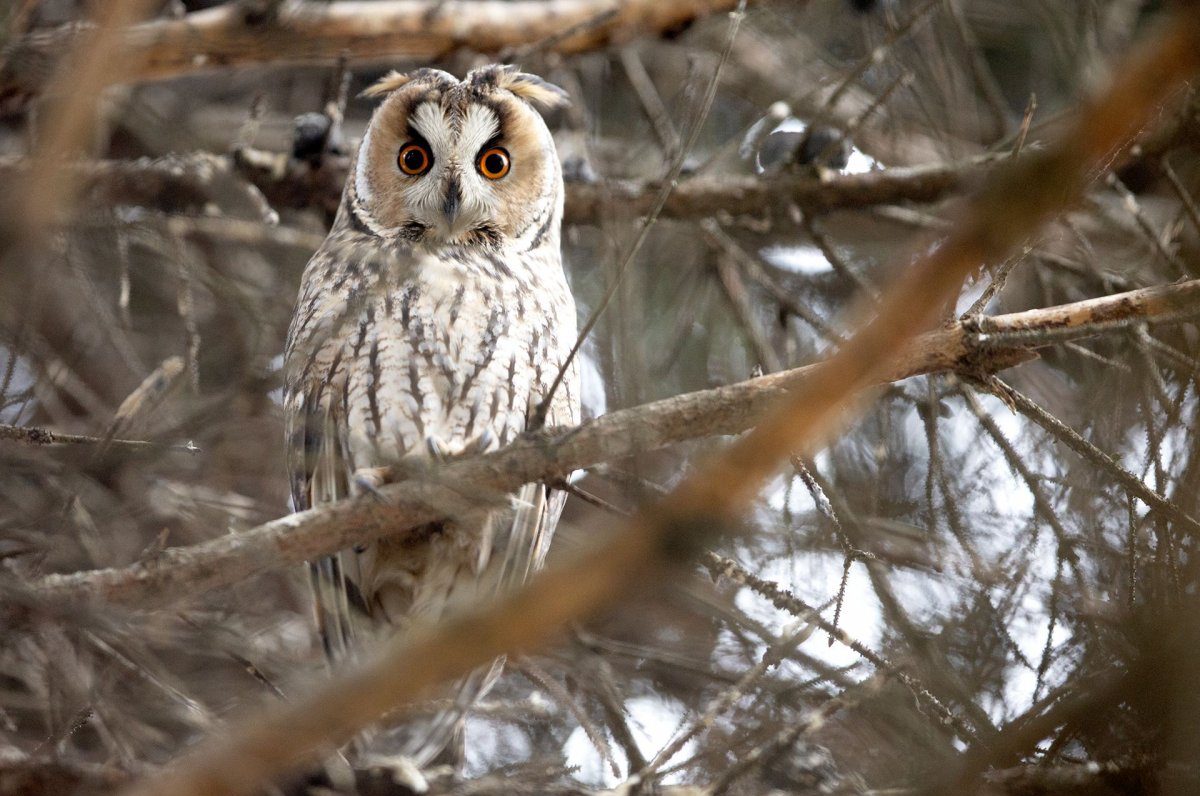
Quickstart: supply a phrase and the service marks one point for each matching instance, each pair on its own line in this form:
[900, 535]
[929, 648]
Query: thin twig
[1087, 450]
[669, 183]
[32, 435]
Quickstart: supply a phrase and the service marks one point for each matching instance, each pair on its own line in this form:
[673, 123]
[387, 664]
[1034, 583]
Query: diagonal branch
[183, 572]
[710, 500]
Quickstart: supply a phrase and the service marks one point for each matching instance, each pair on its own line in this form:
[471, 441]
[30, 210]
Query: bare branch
[230, 35]
[290, 184]
[32, 435]
[181, 573]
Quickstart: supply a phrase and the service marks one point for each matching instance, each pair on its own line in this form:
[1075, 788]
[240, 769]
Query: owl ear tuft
[531, 88]
[387, 84]
[394, 80]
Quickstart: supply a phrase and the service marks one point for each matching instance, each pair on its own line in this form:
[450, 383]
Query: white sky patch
[654, 722]
[591, 383]
[860, 163]
[275, 365]
[488, 742]
[1007, 506]
[21, 380]
[806, 260]
[970, 295]
[1005, 498]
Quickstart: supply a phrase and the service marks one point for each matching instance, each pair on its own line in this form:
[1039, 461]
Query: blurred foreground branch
[27, 776]
[234, 34]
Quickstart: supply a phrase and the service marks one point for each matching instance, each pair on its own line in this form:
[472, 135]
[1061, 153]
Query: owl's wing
[319, 476]
[319, 462]
[538, 507]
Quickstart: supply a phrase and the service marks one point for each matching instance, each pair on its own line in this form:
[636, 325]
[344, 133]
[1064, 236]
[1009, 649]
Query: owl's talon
[368, 480]
[482, 443]
[437, 449]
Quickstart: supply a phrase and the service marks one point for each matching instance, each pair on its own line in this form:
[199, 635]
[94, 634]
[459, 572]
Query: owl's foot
[440, 452]
[368, 480]
[482, 443]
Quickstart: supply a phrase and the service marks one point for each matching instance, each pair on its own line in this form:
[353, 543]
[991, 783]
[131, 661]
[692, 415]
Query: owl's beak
[452, 202]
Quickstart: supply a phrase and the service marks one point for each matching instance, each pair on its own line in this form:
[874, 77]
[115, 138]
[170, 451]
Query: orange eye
[494, 163]
[414, 159]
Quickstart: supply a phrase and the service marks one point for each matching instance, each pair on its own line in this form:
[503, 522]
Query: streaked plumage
[431, 323]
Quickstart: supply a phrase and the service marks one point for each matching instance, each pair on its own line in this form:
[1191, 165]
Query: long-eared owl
[431, 323]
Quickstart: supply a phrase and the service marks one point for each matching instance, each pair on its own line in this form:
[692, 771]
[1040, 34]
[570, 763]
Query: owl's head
[469, 162]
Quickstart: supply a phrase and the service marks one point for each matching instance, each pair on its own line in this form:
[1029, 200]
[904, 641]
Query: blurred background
[987, 595]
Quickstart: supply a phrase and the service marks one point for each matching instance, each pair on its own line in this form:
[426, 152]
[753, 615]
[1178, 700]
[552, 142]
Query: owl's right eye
[414, 159]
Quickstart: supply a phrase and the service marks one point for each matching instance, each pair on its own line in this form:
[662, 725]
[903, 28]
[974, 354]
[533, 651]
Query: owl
[431, 324]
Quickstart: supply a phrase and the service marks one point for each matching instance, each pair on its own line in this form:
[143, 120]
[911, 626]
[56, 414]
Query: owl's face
[464, 162]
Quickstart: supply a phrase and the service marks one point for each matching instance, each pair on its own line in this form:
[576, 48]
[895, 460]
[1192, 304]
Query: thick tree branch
[231, 35]
[288, 183]
[178, 182]
[975, 347]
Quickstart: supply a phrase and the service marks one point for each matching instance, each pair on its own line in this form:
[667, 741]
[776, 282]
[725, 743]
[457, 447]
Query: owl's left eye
[494, 163]
[414, 159]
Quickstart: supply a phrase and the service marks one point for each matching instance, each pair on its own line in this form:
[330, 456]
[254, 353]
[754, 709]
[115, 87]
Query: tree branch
[181, 573]
[287, 183]
[230, 35]
[33, 435]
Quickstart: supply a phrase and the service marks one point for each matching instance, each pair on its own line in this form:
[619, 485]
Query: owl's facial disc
[448, 195]
[445, 162]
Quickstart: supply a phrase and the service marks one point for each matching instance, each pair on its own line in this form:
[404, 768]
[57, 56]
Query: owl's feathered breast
[398, 354]
[410, 348]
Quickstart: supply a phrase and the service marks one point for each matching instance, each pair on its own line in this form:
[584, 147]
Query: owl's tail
[515, 549]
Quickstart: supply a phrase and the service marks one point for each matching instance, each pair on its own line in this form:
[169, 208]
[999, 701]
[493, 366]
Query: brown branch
[32, 435]
[28, 775]
[711, 498]
[388, 30]
[181, 573]
[289, 184]
[178, 182]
